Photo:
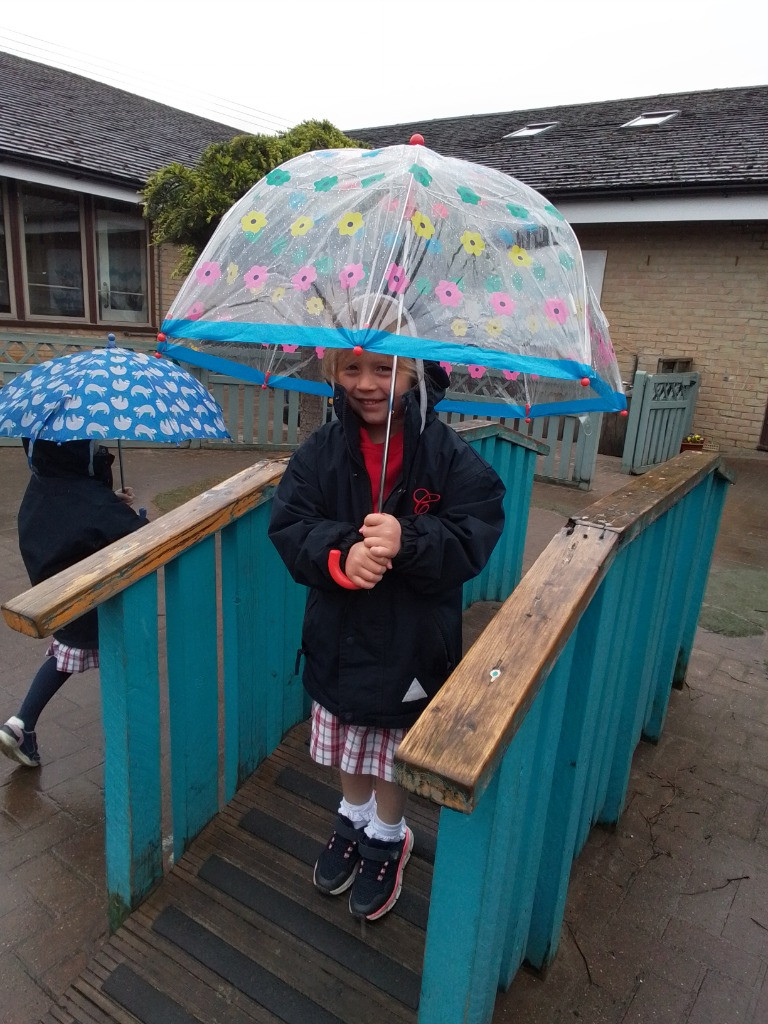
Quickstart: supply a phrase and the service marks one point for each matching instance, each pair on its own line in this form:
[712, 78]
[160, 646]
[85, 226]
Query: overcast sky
[361, 63]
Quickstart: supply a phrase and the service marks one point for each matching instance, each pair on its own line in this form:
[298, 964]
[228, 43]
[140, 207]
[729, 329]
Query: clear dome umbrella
[405, 252]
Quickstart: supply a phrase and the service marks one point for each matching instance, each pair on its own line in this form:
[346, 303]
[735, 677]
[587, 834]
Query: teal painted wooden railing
[226, 649]
[532, 739]
[529, 746]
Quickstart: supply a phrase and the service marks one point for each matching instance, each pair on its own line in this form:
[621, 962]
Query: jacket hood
[69, 459]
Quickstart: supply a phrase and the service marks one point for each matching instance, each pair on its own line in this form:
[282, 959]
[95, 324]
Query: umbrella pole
[390, 409]
[120, 464]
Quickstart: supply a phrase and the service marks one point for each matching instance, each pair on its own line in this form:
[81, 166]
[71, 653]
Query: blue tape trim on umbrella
[508, 410]
[376, 341]
[230, 368]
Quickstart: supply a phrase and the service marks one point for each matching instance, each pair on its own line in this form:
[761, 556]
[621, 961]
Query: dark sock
[43, 687]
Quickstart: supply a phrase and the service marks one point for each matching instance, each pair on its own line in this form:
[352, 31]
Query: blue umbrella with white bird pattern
[109, 394]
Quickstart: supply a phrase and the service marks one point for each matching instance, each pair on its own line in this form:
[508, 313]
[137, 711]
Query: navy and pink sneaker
[19, 744]
[379, 879]
[336, 865]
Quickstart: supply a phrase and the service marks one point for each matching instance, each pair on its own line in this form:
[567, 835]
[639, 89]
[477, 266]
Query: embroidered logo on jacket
[422, 499]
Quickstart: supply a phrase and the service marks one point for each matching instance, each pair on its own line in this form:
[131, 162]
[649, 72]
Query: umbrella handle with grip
[337, 574]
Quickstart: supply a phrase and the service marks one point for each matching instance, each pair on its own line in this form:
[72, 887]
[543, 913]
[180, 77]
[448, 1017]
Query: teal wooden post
[618, 584]
[716, 490]
[684, 529]
[463, 934]
[628, 564]
[193, 690]
[274, 662]
[245, 745]
[637, 676]
[295, 700]
[656, 669]
[515, 465]
[570, 773]
[550, 704]
[262, 612]
[128, 655]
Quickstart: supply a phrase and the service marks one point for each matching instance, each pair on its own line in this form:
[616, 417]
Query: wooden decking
[237, 932]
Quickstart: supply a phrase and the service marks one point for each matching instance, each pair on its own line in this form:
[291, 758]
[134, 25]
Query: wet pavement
[667, 916]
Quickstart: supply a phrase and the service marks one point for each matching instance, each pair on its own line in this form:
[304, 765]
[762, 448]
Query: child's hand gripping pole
[337, 574]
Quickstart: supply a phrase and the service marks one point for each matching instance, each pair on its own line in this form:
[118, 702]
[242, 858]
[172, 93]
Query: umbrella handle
[337, 575]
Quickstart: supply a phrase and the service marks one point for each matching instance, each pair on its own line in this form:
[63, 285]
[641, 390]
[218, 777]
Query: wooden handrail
[452, 752]
[52, 604]
[631, 509]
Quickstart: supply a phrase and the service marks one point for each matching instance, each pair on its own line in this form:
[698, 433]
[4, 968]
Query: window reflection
[121, 252]
[54, 259]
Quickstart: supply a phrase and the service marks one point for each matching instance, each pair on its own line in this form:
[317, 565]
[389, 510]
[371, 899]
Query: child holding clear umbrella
[68, 512]
[377, 654]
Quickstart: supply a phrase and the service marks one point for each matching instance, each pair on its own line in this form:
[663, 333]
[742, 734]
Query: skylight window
[536, 128]
[651, 118]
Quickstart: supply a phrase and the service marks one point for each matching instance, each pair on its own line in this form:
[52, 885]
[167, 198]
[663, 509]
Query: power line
[236, 114]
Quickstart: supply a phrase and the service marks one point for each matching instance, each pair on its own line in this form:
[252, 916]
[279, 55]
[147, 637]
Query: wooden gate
[660, 415]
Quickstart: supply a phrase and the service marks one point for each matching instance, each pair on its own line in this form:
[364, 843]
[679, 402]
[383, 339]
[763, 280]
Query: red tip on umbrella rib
[585, 382]
[161, 337]
[623, 413]
[417, 140]
[358, 350]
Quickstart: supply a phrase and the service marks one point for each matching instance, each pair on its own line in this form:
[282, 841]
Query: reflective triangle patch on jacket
[415, 691]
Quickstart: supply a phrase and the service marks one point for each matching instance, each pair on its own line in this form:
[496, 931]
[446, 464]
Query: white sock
[358, 814]
[378, 829]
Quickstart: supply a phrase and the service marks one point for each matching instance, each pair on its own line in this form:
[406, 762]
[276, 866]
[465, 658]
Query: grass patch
[166, 501]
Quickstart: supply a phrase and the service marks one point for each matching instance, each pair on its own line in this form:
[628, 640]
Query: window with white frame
[76, 257]
[535, 128]
[121, 263]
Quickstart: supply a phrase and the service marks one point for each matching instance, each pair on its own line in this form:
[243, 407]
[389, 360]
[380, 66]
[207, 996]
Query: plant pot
[691, 446]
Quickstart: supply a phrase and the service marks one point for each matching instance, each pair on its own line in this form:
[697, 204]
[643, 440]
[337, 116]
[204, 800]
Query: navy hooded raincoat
[376, 657]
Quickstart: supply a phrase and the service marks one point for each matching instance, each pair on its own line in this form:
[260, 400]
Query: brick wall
[167, 284]
[693, 290]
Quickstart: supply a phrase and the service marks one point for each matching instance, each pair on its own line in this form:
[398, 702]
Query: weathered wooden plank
[454, 748]
[44, 608]
[631, 509]
[152, 963]
[382, 971]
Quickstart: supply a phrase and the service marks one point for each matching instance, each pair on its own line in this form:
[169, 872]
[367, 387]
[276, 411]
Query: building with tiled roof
[669, 198]
[706, 142]
[75, 253]
[671, 212]
[71, 125]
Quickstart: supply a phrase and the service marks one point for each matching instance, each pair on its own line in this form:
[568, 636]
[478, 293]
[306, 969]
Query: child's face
[367, 379]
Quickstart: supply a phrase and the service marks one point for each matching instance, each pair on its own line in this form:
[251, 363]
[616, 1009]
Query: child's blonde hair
[333, 356]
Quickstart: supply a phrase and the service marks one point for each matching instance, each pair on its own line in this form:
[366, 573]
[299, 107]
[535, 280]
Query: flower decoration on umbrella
[405, 252]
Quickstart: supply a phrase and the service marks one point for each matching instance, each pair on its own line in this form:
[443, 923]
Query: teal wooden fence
[529, 746]
[231, 605]
[269, 418]
[532, 740]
